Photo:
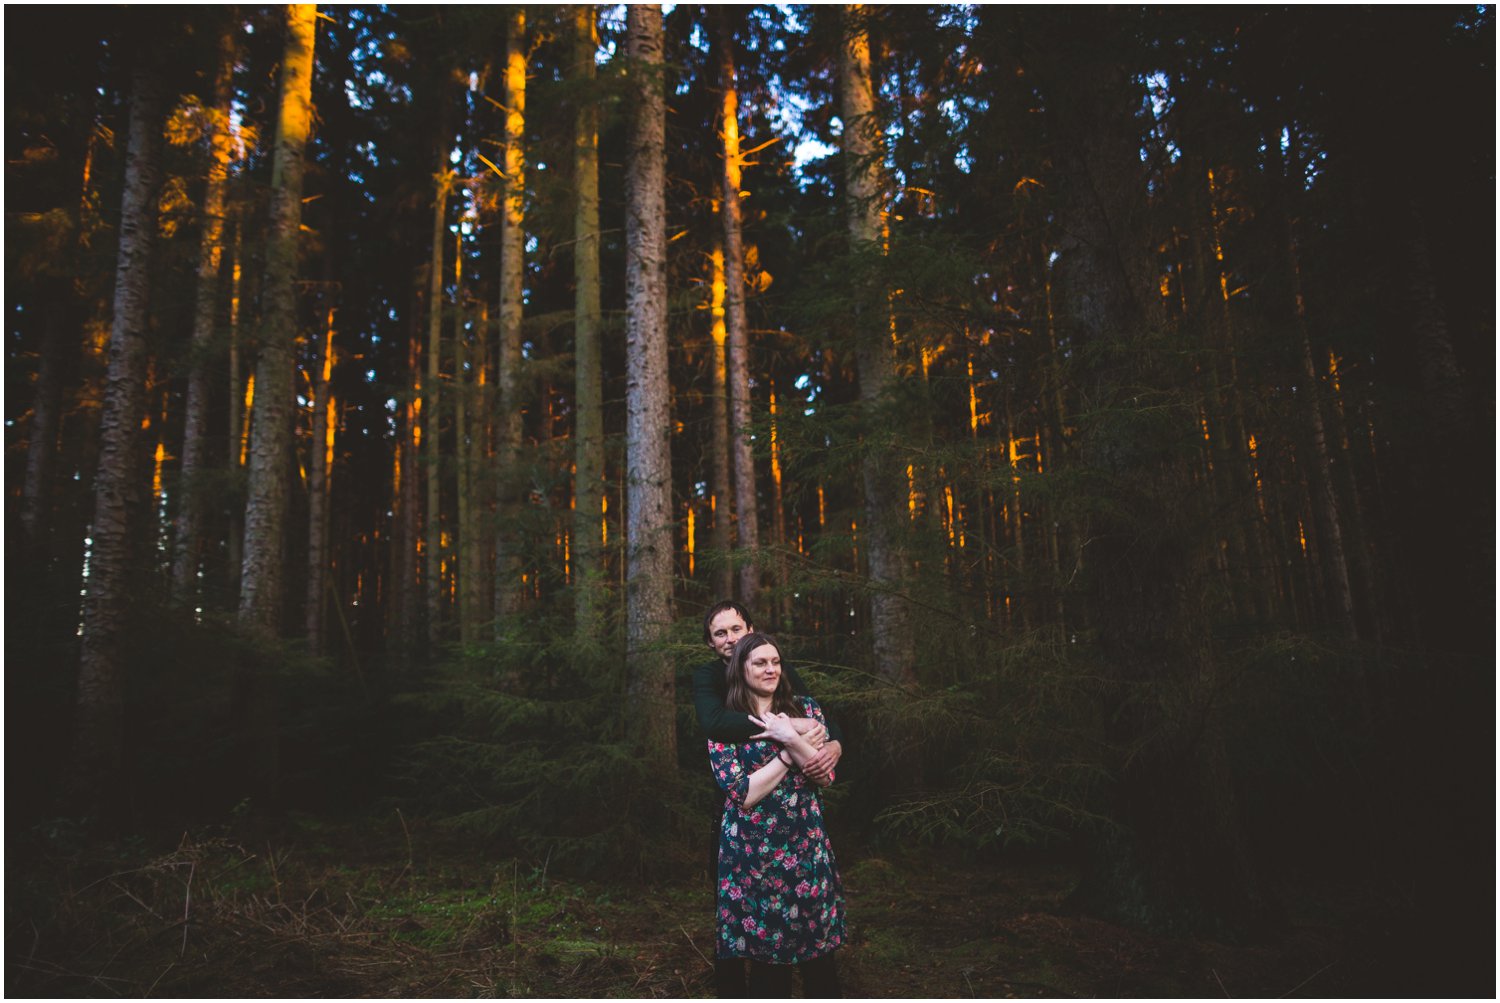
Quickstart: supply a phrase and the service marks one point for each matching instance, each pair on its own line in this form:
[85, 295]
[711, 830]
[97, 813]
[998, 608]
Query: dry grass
[384, 910]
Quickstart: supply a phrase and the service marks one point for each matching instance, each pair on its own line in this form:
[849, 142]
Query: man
[723, 626]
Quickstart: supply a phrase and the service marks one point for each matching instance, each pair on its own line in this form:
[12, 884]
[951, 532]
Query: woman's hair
[738, 696]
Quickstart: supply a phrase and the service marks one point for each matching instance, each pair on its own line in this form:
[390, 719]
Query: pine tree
[261, 587]
[649, 526]
[99, 729]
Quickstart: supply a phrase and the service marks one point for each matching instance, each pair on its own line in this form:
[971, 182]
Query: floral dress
[780, 899]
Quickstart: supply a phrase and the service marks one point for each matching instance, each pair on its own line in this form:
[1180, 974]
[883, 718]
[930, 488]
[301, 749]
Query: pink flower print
[748, 924]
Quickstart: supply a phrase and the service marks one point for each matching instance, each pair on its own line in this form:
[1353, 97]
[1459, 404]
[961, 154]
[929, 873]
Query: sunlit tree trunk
[588, 430]
[432, 571]
[210, 257]
[271, 436]
[648, 459]
[319, 473]
[237, 449]
[885, 483]
[719, 434]
[99, 727]
[406, 489]
[1333, 563]
[737, 326]
[466, 476]
[508, 543]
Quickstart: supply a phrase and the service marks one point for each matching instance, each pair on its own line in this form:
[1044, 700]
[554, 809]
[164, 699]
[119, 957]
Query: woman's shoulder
[811, 706]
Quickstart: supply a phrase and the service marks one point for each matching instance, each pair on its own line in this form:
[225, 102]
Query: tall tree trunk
[210, 257]
[406, 588]
[320, 469]
[648, 458]
[432, 571]
[719, 434]
[885, 484]
[747, 517]
[271, 436]
[261, 582]
[508, 542]
[100, 727]
[238, 446]
[588, 431]
[468, 578]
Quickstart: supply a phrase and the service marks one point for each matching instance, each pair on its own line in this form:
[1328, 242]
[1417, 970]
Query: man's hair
[724, 606]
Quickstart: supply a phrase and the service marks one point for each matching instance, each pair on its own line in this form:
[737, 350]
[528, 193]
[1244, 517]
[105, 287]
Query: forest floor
[394, 910]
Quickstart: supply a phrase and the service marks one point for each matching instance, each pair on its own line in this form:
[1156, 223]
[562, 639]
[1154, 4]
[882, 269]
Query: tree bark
[508, 543]
[588, 431]
[721, 484]
[737, 326]
[648, 459]
[100, 726]
[210, 256]
[320, 468]
[238, 445]
[432, 395]
[884, 477]
[261, 584]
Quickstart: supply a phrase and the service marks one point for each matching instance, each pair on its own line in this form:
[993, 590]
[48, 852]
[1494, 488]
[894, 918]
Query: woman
[780, 903]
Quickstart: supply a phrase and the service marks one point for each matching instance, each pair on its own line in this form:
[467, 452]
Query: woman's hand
[777, 727]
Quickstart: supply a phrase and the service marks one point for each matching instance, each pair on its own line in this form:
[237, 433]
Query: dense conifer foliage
[1098, 404]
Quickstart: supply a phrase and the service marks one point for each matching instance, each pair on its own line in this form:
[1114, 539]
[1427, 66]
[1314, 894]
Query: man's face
[724, 630]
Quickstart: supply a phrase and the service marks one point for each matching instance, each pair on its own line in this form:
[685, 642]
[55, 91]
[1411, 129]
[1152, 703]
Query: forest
[1096, 402]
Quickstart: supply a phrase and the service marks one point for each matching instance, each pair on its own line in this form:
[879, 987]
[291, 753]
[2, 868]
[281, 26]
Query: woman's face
[763, 670]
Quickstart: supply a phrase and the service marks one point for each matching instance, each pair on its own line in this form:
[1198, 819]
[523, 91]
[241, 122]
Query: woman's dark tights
[820, 980]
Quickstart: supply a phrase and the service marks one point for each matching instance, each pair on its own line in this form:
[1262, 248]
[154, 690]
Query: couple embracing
[778, 900]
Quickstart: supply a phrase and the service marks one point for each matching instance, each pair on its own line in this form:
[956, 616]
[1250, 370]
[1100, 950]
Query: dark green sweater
[720, 723]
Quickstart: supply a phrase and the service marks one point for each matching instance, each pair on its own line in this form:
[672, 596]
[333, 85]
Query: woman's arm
[795, 749]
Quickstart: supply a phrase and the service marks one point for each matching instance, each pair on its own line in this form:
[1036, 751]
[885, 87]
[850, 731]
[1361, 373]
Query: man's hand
[819, 769]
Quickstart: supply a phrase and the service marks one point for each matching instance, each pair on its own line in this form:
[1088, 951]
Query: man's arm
[717, 722]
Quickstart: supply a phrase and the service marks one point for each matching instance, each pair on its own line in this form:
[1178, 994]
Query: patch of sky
[355, 98]
[369, 376]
